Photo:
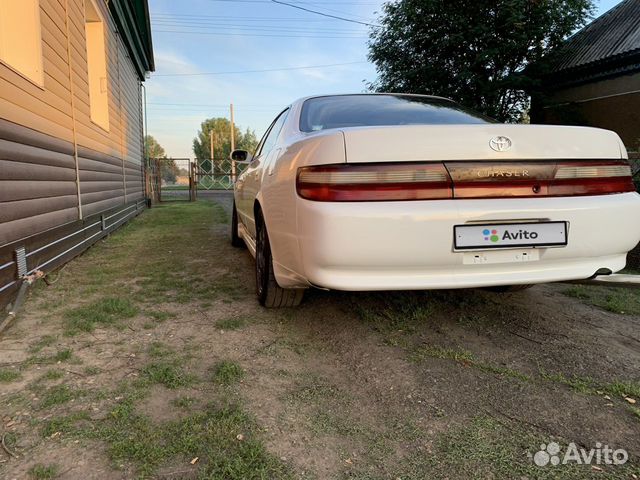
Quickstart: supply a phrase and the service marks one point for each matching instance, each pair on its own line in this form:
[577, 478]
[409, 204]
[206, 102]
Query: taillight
[589, 178]
[453, 180]
[374, 182]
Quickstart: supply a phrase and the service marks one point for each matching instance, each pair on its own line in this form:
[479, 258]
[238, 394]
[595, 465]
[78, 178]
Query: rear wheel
[236, 240]
[270, 294]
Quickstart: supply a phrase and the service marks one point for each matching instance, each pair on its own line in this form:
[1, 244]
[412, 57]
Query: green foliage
[472, 52]
[152, 148]
[169, 169]
[221, 128]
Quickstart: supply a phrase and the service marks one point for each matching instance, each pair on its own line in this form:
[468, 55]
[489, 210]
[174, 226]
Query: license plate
[507, 235]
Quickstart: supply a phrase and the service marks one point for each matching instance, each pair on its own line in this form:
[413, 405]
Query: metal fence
[217, 175]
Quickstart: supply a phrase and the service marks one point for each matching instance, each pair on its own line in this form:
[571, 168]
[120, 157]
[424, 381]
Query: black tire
[509, 288]
[269, 293]
[236, 240]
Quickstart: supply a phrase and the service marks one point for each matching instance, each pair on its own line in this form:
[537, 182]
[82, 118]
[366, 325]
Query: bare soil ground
[150, 358]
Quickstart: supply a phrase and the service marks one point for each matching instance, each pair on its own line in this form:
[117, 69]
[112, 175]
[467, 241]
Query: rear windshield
[342, 111]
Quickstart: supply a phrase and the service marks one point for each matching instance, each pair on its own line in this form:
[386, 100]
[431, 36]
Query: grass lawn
[150, 358]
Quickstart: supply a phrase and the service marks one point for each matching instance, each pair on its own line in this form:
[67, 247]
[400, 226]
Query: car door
[252, 178]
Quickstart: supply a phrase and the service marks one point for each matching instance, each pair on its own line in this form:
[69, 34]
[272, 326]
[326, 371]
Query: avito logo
[491, 235]
[494, 236]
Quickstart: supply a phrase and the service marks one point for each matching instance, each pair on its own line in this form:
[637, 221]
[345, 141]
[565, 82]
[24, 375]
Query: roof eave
[611, 67]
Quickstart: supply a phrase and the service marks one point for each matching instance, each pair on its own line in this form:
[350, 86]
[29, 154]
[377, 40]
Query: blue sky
[195, 37]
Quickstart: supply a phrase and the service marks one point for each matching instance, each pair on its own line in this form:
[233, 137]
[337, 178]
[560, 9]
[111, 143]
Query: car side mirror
[240, 156]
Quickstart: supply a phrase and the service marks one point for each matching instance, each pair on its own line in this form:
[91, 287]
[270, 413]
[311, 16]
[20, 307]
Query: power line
[324, 14]
[282, 69]
[297, 2]
[266, 28]
[260, 35]
[155, 17]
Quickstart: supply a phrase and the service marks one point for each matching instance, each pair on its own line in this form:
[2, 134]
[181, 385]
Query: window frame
[105, 29]
[259, 147]
[38, 82]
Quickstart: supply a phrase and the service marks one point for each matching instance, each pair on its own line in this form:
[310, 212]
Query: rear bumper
[409, 245]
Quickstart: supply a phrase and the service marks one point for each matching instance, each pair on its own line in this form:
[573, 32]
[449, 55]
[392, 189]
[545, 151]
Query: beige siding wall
[38, 188]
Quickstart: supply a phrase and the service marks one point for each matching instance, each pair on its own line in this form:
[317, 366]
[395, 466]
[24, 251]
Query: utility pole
[233, 145]
[211, 139]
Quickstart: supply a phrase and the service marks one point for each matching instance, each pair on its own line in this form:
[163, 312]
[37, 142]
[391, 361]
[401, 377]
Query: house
[71, 127]
[594, 78]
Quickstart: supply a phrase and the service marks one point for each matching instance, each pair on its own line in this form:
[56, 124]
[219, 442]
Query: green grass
[104, 312]
[53, 375]
[396, 313]
[312, 389]
[227, 373]
[44, 472]
[64, 424]
[184, 402]
[232, 323]
[168, 373]
[7, 375]
[166, 367]
[159, 316]
[587, 385]
[60, 356]
[617, 300]
[486, 447]
[160, 350]
[58, 395]
[466, 358]
[45, 341]
[211, 435]
[141, 258]
[436, 351]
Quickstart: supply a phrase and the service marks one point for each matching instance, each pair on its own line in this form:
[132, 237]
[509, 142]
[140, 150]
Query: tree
[153, 148]
[221, 128]
[474, 52]
[168, 166]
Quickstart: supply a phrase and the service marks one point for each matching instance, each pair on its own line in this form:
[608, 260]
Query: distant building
[594, 78]
[71, 127]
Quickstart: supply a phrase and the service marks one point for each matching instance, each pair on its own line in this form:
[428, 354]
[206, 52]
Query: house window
[96, 65]
[20, 38]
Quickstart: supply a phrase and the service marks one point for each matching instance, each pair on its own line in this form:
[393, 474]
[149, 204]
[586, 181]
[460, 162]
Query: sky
[199, 44]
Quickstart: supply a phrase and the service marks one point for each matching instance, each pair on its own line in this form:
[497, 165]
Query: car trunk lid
[489, 142]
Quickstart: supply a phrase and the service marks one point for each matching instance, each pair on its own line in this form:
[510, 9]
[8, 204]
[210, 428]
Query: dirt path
[149, 357]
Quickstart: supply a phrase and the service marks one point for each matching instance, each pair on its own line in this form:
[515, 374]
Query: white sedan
[411, 192]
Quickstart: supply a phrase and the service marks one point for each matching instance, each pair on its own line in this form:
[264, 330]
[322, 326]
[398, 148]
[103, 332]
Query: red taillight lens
[592, 178]
[374, 182]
